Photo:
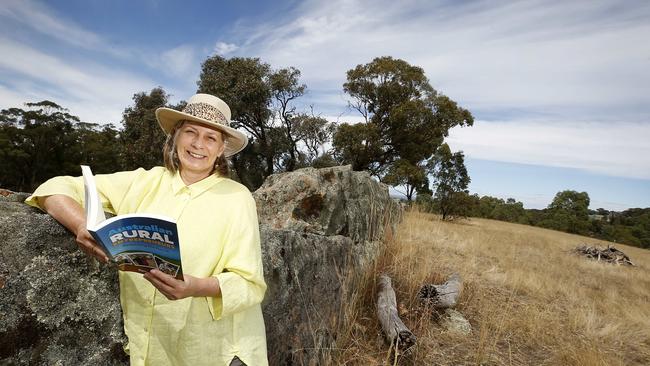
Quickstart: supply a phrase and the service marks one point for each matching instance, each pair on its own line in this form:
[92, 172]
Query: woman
[214, 316]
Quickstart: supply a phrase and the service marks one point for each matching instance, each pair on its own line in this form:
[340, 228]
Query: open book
[136, 242]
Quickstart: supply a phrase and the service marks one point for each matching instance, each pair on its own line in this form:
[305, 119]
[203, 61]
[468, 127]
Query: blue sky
[560, 89]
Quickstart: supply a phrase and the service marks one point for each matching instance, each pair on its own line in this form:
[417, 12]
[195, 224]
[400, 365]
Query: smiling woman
[213, 316]
[198, 150]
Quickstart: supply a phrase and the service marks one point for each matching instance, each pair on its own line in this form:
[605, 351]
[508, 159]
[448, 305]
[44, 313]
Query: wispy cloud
[619, 149]
[41, 19]
[95, 92]
[179, 61]
[224, 49]
[85, 72]
[562, 83]
[490, 56]
[532, 72]
[38, 17]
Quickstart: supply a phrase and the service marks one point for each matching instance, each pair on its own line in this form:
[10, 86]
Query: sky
[560, 90]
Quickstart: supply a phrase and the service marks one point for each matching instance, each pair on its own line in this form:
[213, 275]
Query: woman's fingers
[88, 245]
[157, 281]
[169, 286]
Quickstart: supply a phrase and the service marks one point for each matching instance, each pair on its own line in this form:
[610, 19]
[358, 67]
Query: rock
[57, 306]
[319, 228]
[330, 201]
[454, 321]
[9, 196]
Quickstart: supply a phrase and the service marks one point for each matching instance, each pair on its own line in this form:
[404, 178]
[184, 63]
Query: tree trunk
[394, 329]
[442, 296]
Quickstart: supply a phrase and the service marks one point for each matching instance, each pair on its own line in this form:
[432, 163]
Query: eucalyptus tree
[405, 121]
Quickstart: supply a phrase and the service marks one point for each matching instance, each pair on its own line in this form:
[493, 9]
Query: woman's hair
[172, 162]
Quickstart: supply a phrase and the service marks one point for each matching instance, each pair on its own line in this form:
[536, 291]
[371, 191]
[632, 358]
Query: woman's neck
[190, 178]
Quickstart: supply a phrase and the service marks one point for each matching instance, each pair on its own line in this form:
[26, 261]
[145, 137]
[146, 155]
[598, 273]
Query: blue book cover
[136, 242]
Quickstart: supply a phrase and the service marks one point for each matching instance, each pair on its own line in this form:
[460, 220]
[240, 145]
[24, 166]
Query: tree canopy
[262, 101]
[568, 212]
[405, 121]
[44, 140]
[141, 138]
[451, 182]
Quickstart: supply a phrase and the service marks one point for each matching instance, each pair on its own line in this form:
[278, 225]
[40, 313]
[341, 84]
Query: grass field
[528, 299]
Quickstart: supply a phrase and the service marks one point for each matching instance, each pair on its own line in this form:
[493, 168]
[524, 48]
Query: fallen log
[609, 255]
[442, 296]
[394, 329]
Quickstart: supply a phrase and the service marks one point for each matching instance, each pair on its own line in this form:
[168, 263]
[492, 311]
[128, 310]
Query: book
[135, 242]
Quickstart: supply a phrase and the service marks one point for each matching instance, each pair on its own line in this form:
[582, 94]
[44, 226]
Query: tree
[45, 140]
[403, 173]
[425, 202]
[286, 87]
[569, 212]
[99, 147]
[261, 101]
[406, 120]
[359, 145]
[36, 144]
[243, 84]
[511, 211]
[313, 133]
[487, 205]
[141, 138]
[451, 181]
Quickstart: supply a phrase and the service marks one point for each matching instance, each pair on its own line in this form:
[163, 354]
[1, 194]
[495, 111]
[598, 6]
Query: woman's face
[198, 147]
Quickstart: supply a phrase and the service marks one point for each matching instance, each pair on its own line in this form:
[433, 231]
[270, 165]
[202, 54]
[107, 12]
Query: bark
[442, 296]
[394, 329]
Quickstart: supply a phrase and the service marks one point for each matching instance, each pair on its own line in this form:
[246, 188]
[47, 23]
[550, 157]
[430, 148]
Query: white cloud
[179, 61]
[224, 49]
[94, 92]
[574, 57]
[41, 19]
[90, 84]
[349, 118]
[619, 149]
[10, 98]
[534, 67]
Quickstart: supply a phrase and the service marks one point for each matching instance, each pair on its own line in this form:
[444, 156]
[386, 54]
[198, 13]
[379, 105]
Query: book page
[94, 209]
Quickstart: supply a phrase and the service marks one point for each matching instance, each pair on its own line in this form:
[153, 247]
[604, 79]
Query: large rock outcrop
[320, 229]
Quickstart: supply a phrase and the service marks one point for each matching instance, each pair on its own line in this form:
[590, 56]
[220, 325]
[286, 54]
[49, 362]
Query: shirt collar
[197, 188]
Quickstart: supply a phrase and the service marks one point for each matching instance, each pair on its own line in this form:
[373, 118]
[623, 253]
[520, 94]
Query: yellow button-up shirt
[219, 236]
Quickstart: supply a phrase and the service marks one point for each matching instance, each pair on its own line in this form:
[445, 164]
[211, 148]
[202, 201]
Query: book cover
[136, 242]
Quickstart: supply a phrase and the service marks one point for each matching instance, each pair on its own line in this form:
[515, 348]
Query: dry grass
[528, 300]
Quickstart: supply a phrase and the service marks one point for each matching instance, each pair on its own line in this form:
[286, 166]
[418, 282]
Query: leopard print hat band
[206, 111]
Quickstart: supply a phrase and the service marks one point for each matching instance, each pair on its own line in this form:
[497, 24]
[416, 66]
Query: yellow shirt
[219, 236]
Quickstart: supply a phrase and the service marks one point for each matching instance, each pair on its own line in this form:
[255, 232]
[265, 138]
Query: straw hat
[210, 111]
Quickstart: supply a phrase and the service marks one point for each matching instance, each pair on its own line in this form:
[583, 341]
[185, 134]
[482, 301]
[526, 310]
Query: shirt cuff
[215, 303]
[231, 300]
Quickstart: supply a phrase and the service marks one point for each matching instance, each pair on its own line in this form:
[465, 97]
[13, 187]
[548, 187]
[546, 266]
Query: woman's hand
[174, 289]
[88, 245]
[169, 286]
